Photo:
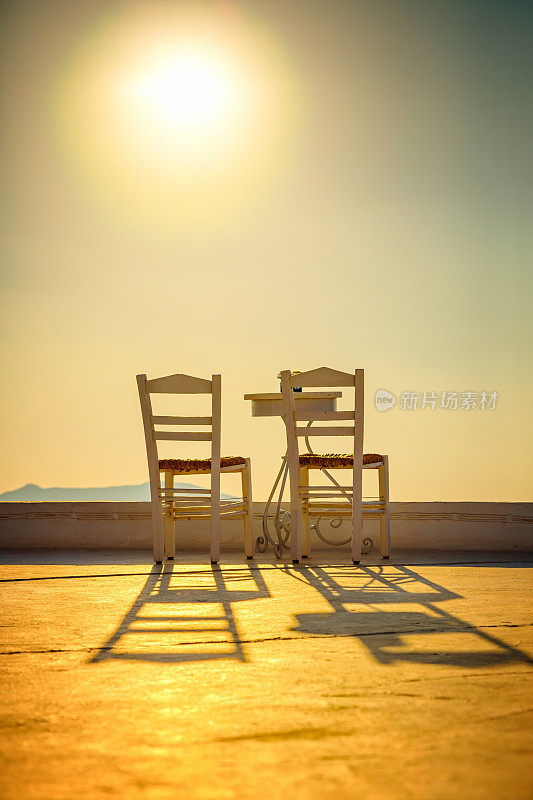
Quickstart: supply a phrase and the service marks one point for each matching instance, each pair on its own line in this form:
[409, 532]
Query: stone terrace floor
[264, 680]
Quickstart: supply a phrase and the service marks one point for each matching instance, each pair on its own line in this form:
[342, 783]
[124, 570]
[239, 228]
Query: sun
[162, 109]
[189, 91]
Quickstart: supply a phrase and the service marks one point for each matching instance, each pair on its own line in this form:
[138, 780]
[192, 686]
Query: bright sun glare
[163, 108]
[188, 90]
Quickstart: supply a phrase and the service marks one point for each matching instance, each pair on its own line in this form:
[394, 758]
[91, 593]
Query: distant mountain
[33, 493]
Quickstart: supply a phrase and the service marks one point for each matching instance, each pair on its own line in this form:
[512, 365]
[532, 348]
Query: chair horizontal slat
[238, 505]
[347, 512]
[192, 500]
[347, 430]
[317, 416]
[181, 490]
[368, 500]
[184, 501]
[319, 495]
[182, 420]
[328, 488]
[325, 508]
[197, 513]
[331, 511]
[180, 436]
[203, 512]
[233, 514]
[323, 495]
[201, 501]
[189, 502]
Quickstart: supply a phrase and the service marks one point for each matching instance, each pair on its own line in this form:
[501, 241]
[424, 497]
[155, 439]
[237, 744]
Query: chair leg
[357, 518]
[170, 538]
[296, 528]
[214, 521]
[384, 518]
[246, 477]
[357, 525]
[157, 532]
[304, 484]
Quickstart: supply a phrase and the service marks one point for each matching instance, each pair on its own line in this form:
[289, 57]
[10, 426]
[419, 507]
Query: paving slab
[408, 679]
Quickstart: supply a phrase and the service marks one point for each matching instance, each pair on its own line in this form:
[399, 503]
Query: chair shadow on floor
[357, 598]
[185, 615]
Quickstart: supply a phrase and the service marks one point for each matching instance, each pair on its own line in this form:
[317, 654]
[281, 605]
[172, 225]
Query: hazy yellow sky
[348, 184]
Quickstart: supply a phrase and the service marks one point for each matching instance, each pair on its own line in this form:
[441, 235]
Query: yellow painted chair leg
[384, 518]
[304, 484]
[246, 477]
[170, 538]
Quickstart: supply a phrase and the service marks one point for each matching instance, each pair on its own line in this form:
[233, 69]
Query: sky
[240, 188]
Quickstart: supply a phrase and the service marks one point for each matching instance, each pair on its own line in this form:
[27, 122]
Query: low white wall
[502, 527]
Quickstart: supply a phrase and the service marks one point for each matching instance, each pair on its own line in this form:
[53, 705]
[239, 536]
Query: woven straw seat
[196, 464]
[336, 460]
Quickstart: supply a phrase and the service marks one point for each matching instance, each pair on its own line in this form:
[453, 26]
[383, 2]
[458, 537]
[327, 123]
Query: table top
[297, 396]
[270, 404]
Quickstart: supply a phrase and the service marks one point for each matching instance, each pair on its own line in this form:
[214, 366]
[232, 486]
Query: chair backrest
[315, 378]
[180, 384]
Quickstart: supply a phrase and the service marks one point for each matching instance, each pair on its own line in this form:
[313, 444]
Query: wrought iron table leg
[280, 542]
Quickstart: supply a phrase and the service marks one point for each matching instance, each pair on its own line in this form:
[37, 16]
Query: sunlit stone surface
[260, 680]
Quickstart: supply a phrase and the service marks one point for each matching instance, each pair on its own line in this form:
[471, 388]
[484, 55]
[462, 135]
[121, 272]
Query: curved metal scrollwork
[280, 527]
[335, 522]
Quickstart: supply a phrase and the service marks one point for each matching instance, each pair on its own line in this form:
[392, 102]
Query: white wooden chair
[347, 500]
[171, 503]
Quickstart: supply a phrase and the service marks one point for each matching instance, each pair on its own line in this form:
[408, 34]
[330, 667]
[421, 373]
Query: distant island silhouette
[137, 493]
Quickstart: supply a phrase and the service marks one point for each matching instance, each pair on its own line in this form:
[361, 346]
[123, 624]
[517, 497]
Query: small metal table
[270, 404]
